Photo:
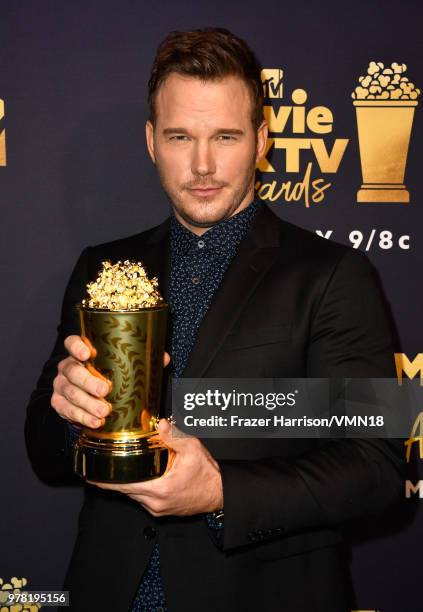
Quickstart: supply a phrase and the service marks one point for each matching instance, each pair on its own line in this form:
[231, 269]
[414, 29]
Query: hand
[80, 391]
[191, 484]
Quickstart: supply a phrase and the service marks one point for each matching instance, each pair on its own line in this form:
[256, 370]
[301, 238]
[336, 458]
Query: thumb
[172, 437]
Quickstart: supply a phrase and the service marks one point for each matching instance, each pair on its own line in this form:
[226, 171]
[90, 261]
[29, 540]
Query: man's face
[205, 147]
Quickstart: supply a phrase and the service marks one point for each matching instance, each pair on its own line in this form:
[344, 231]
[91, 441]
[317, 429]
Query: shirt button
[149, 533]
[195, 280]
[252, 536]
[200, 244]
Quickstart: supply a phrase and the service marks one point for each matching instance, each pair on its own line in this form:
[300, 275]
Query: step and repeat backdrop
[344, 159]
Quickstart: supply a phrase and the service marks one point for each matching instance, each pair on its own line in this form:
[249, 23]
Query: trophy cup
[385, 102]
[123, 323]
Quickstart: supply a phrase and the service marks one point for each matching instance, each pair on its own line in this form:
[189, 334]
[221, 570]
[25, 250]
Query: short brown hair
[209, 54]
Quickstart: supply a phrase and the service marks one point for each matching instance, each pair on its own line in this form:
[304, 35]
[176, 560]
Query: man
[249, 524]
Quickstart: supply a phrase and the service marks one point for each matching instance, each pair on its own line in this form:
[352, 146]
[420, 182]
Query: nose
[203, 162]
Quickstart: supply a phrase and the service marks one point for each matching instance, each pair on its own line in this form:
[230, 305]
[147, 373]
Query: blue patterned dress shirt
[198, 264]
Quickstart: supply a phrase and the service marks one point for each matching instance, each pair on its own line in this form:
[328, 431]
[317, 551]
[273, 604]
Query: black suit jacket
[291, 304]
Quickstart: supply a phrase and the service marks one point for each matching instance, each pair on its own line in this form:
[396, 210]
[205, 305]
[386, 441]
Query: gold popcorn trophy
[123, 324]
[384, 102]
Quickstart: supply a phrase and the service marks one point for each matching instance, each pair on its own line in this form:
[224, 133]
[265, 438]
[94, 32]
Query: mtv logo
[272, 82]
[410, 368]
[2, 137]
[414, 489]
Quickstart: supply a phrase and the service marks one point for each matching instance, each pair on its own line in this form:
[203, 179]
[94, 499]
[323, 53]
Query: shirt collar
[220, 240]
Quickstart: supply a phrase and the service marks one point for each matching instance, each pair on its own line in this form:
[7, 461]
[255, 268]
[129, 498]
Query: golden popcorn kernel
[361, 93]
[398, 68]
[384, 80]
[407, 87]
[382, 83]
[374, 67]
[122, 286]
[365, 81]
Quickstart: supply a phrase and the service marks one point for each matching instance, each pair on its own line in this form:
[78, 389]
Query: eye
[226, 137]
[179, 137]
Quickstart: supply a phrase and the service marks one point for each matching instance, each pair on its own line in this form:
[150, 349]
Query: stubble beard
[176, 198]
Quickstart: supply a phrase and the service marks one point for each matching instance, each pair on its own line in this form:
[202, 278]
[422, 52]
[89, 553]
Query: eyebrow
[177, 130]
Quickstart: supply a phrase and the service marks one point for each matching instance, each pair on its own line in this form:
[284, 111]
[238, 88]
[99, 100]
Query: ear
[149, 137]
[262, 133]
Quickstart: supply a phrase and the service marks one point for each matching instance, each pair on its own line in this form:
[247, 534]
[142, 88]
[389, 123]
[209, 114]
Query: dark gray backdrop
[73, 78]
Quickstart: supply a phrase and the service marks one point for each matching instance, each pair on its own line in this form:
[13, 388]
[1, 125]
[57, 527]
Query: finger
[79, 398]
[131, 489]
[164, 428]
[90, 346]
[153, 507]
[170, 460]
[97, 374]
[122, 488]
[125, 489]
[155, 441]
[166, 359]
[83, 378]
[76, 348]
[174, 438]
[157, 489]
[74, 414]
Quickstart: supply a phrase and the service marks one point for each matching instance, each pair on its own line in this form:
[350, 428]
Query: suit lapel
[255, 255]
[156, 257]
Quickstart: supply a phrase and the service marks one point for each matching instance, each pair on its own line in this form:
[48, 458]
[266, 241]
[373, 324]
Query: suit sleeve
[47, 435]
[343, 479]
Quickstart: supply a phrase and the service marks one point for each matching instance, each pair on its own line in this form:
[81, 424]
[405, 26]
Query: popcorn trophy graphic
[14, 599]
[384, 101]
[123, 323]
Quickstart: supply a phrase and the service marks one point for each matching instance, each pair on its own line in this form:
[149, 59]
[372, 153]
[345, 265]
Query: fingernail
[102, 389]
[101, 411]
[84, 353]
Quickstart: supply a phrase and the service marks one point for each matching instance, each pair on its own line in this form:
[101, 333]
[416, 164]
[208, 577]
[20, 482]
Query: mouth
[205, 191]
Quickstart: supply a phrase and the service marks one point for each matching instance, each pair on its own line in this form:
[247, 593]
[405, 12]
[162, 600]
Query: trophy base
[384, 195]
[117, 461]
